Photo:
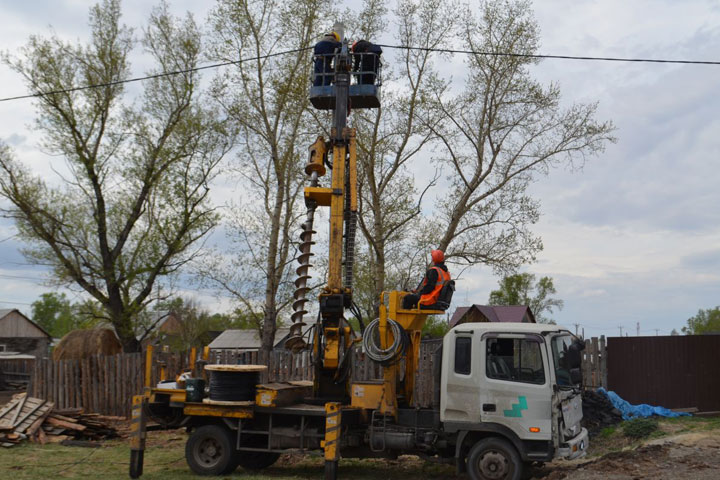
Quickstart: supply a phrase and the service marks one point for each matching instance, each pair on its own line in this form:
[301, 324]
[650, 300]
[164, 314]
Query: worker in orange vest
[427, 293]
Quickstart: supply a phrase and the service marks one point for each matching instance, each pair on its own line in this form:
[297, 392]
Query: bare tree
[267, 96]
[392, 138]
[134, 201]
[498, 134]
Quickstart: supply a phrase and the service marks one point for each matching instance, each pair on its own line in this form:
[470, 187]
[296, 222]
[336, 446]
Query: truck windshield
[561, 360]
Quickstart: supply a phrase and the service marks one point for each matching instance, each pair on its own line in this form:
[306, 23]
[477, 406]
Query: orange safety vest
[432, 297]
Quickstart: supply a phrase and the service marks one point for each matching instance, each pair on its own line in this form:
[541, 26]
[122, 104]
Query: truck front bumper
[575, 447]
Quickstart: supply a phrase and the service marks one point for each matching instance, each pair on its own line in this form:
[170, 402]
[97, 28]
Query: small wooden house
[492, 313]
[20, 334]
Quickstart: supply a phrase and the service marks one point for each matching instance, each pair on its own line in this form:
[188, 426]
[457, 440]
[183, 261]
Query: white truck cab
[512, 393]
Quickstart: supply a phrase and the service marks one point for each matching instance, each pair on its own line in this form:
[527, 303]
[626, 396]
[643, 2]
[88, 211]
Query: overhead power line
[156, 75]
[401, 47]
[557, 57]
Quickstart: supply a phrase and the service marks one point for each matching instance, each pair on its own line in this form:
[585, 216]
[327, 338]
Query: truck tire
[256, 460]
[493, 458]
[209, 451]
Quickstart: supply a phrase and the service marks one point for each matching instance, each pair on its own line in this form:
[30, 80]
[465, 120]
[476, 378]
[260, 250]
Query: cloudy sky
[633, 238]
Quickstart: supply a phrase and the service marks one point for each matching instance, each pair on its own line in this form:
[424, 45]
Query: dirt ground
[686, 448]
[680, 449]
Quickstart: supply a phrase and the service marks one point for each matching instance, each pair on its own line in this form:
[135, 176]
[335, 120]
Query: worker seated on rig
[324, 53]
[366, 61]
[436, 289]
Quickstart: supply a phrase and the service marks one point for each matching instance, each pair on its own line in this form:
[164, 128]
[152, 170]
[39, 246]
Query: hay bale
[85, 343]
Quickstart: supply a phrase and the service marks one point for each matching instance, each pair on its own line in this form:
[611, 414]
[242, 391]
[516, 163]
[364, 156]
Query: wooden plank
[603, 363]
[61, 423]
[34, 407]
[596, 362]
[112, 396]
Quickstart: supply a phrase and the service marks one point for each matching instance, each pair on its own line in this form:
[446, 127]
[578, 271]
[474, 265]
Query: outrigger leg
[332, 434]
[138, 433]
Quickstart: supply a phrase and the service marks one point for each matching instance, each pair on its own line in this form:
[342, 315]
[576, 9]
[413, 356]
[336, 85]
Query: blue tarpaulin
[638, 411]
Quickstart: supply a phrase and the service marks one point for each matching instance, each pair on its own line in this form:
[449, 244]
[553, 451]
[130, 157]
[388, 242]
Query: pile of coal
[598, 411]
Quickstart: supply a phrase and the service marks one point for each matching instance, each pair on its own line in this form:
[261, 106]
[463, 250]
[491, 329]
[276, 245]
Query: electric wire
[154, 76]
[540, 56]
[401, 47]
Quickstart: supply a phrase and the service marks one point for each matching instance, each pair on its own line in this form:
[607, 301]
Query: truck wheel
[209, 451]
[493, 458]
[256, 460]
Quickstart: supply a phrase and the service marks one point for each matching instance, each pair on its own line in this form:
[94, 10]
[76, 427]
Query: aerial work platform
[363, 90]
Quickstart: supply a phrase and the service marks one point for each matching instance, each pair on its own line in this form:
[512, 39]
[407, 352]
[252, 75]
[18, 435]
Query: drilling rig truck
[506, 394]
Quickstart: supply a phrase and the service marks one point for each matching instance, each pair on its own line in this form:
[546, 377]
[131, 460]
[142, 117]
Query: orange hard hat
[437, 256]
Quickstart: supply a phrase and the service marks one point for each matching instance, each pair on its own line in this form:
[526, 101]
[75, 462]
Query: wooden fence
[106, 384]
[594, 363]
[16, 370]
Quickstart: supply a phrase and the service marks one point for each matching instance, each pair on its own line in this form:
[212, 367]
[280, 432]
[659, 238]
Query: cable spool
[394, 352]
[234, 383]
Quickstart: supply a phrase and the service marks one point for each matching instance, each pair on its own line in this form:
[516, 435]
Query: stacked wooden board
[35, 419]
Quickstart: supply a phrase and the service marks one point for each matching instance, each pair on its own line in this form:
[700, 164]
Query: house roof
[243, 339]
[514, 327]
[249, 339]
[495, 313]
[4, 312]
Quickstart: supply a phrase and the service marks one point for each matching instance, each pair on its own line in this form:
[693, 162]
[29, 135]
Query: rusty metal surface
[669, 371]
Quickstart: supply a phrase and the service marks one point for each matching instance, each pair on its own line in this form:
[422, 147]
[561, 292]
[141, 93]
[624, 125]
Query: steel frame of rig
[324, 418]
[484, 423]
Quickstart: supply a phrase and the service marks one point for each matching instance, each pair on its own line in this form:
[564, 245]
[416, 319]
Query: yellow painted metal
[163, 371]
[412, 320]
[206, 353]
[321, 195]
[148, 365]
[337, 216]
[318, 150]
[137, 423]
[265, 397]
[352, 172]
[367, 395]
[193, 358]
[332, 431]
[176, 394]
[331, 355]
[206, 410]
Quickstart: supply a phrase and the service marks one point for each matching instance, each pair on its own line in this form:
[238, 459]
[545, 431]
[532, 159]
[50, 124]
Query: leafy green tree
[53, 312]
[498, 133]
[133, 201]
[522, 289]
[267, 97]
[436, 326]
[58, 316]
[706, 321]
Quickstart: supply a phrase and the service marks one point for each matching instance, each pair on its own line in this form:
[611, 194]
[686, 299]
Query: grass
[614, 438]
[165, 459]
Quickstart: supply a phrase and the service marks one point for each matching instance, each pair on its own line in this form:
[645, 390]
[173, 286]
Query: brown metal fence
[670, 371]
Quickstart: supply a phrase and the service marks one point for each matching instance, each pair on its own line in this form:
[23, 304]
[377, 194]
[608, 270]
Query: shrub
[639, 427]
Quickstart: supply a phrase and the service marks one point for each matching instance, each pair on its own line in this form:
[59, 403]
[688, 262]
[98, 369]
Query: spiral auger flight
[315, 168]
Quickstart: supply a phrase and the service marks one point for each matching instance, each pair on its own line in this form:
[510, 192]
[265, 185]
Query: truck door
[516, 388]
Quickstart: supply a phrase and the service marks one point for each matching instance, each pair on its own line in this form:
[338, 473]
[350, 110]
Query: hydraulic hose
[391, 354]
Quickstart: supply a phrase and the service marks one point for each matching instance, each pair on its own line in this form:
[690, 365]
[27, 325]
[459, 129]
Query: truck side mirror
[576, 376]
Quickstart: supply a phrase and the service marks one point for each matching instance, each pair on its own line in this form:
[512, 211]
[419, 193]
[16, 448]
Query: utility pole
[637, 329]
[620, 327]
[657, 330]
[577, 325]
